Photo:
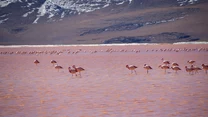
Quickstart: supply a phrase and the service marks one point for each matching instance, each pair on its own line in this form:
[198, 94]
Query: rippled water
[106, 87]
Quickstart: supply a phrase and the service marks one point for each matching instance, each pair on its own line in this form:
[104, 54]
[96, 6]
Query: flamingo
[176, 68]
[166, 62]
[196, 69]
[165, 67]
[72, 71]
[58, 67]
[53, 62]
[175, 64]
[132, 68]
[191, 62]
[36, 62]
[147, 67]
[189, 69]
[78, 69]
[205, 67]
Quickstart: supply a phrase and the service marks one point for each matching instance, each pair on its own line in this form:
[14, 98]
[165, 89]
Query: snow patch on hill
[185, 2]
[63, 8]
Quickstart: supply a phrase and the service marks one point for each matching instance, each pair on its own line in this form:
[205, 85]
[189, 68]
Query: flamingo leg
[80, 74]
[135, 71]
[191, 73]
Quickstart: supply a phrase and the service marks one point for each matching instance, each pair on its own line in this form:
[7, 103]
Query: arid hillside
[155, 21]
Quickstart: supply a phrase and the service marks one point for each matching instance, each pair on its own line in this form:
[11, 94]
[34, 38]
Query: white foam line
[191, 43]
[18, 46]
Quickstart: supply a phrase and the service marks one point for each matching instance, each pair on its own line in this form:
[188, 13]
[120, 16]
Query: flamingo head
[127, 66]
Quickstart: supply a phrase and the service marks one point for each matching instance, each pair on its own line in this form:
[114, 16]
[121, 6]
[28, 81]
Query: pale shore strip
[124, 44]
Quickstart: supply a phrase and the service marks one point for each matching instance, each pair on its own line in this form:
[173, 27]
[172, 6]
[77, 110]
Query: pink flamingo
[132, 68]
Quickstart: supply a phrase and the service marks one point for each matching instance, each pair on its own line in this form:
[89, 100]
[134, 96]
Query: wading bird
[189, 69]
[36, 62]
[53, 62]
[165, 67]
[205, 67]
[175, 68]
[132, 68]
[147, 67]
[58, 67]
[78, 69]
[72, 71]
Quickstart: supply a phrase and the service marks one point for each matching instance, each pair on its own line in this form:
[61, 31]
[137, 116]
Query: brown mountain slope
[153, 24]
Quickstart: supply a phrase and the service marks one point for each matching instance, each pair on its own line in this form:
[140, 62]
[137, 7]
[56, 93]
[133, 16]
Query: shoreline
[122, 44]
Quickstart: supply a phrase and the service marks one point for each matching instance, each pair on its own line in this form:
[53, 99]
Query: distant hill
[102, 21]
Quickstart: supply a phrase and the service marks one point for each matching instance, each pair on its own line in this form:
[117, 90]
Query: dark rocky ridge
[140, 21]
[166, 37]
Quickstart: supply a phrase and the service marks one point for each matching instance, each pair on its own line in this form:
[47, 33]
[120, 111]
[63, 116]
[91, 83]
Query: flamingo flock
[174, 66]
[73, 70]
[108, 50]
[166, 65]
